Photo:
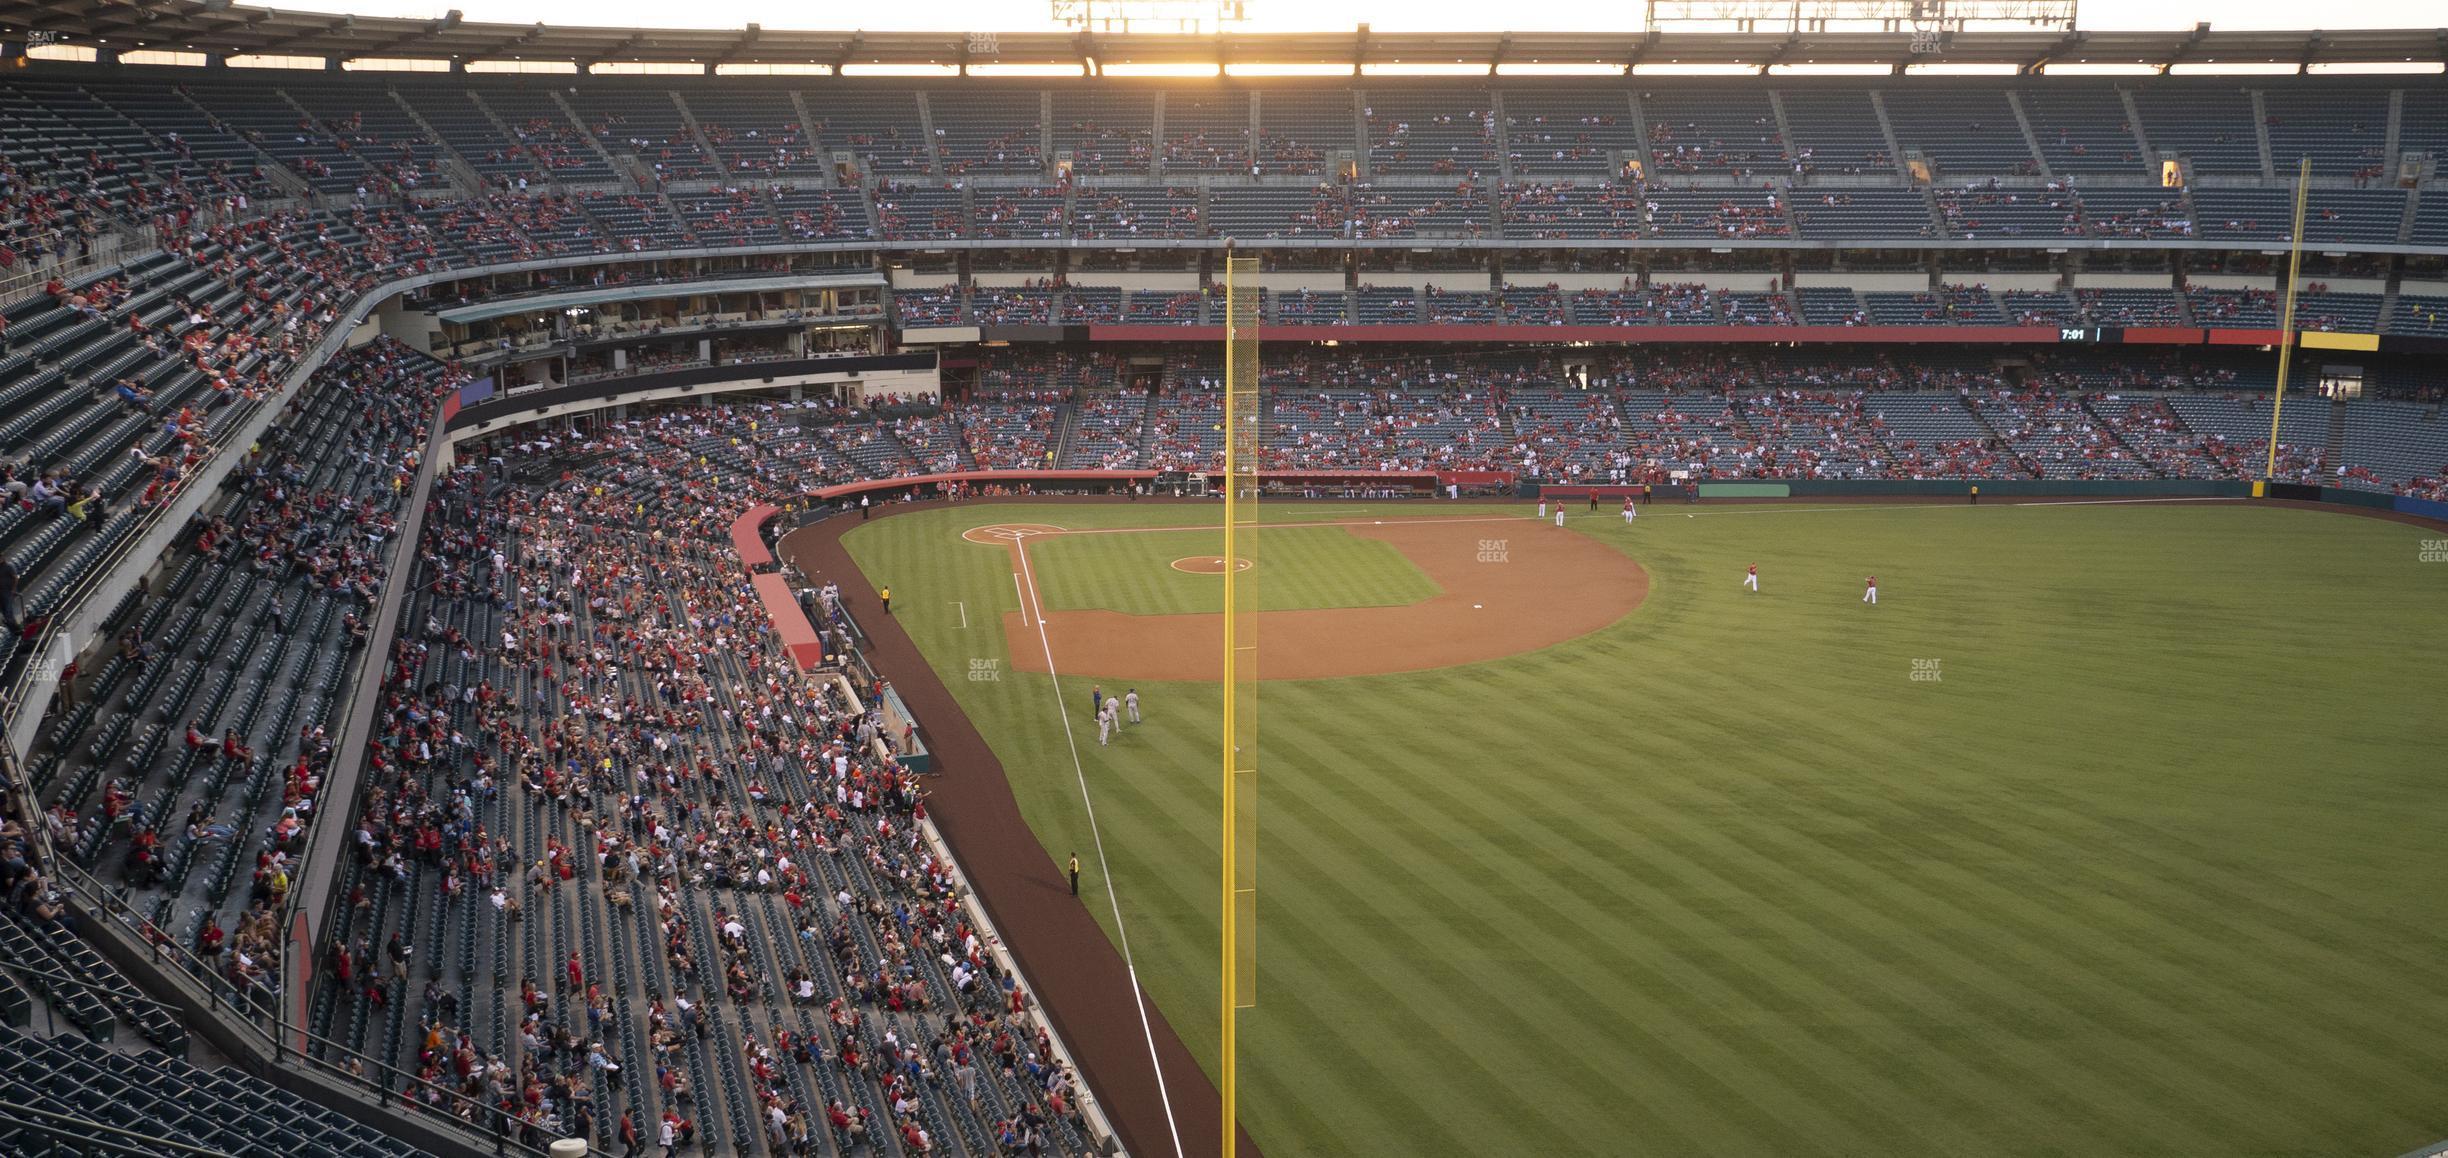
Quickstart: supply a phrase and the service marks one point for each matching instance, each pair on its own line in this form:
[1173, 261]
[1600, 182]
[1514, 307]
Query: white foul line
[1024, 603]
[1112, 895]
[964, 610]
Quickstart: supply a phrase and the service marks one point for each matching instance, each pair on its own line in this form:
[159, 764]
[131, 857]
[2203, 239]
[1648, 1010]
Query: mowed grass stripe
[1967, 906]
[2196, 924]
[2213, 907]
[1532, 917]
[1766, 983]
[1960, 966]
[1453, 1003]
[1747, 920]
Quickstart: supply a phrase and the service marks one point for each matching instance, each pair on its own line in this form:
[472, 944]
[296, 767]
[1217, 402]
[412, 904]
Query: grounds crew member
[884, 593]
[1075, 874]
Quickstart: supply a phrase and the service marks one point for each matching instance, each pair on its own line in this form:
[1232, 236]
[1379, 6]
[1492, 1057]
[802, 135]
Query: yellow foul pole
[1244, 444]
[2286, 321]
[1229, 1058]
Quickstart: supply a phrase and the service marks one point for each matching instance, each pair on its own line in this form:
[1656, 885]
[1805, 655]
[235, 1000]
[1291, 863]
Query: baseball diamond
[1620, 860]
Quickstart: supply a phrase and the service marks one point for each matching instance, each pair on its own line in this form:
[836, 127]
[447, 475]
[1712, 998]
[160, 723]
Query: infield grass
[2151, 867]
[1133, 572]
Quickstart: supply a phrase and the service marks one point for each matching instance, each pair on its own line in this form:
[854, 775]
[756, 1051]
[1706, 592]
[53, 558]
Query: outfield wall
[2097, 489]
[2023, 488]
[2422, 507]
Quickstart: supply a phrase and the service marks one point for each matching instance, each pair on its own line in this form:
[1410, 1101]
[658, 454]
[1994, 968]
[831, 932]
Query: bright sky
[1311, 15]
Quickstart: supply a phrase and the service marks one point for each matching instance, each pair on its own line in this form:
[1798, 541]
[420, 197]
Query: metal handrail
[108, 249]
[159, 940]
[501, 1140]
[13, 687]
[26, 970]
[82, 1130]
[220, 990]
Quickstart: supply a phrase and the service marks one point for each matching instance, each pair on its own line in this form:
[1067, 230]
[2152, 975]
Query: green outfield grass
[2152, 867]
[1294, 567]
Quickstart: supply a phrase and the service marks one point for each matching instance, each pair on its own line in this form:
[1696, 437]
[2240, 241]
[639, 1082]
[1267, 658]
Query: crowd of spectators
[622, 737]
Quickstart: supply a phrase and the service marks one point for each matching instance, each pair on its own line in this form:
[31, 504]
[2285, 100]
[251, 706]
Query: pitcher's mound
[1209, 564]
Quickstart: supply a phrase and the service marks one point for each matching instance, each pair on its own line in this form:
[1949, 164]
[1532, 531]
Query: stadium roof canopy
[220, 29]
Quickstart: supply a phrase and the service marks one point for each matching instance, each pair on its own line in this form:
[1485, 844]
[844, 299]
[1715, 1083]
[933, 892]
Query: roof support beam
[746, 41]
[278, 45]
[2071, 41]
[2192, 41]
[1640, 51]
[613, 53]
[2312, 47]
[431, 27]
[519, 41]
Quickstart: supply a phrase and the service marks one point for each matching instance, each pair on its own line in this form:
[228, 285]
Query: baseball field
[2112, 829]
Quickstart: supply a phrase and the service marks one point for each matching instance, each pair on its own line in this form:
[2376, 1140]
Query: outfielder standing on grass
[1751, 577]
[1631, 512]
[1130, 703]
[1104, 726]
[1870, 590]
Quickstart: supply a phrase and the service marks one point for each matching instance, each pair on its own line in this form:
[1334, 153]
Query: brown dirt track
[1075, 968]
[1548, 586]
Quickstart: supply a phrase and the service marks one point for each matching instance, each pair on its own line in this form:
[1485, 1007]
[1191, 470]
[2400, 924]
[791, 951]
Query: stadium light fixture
[2363, 67]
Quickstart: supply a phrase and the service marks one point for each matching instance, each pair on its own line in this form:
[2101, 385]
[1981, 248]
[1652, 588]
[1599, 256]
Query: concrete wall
[1911, 283]
[1740, 282]
[414, 328]
[2001, 282]
[1282, 282]
[2124, 281]
[1171, 283]
[1571, 282]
